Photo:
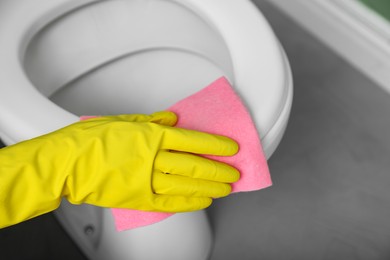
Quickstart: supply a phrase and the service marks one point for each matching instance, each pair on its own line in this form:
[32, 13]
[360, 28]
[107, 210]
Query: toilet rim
[28, 122]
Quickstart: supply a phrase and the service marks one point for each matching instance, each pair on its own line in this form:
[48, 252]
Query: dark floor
[38, 239]
[331, 195]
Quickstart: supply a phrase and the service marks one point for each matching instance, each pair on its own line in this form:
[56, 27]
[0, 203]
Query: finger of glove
[169, 184]
[191, 141]
[174, 204]
[194, 166]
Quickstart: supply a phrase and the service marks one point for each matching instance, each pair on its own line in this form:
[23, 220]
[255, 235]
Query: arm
[128, 161]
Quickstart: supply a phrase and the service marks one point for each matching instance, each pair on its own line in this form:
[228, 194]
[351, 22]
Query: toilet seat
[261, 75]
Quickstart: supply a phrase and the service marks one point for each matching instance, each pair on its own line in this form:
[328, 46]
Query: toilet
[66, 58]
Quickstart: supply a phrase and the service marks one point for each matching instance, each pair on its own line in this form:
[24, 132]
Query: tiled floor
[331, 173]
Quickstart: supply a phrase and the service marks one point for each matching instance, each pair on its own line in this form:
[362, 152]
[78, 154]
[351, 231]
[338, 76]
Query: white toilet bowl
[65, 58]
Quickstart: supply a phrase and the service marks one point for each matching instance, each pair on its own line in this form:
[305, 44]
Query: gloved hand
[127, 161]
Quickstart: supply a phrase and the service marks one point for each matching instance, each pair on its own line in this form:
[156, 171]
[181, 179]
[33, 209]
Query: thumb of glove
[166, 118]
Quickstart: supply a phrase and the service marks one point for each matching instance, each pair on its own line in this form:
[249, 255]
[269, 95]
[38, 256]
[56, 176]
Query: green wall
[380, 6]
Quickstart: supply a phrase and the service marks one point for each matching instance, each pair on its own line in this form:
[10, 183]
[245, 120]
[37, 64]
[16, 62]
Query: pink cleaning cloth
[216, 109]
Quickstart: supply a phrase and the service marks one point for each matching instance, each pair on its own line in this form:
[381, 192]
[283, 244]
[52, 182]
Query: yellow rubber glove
[127, 161]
